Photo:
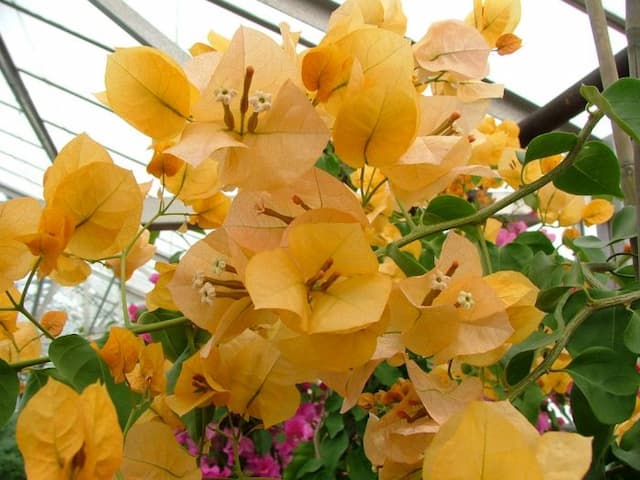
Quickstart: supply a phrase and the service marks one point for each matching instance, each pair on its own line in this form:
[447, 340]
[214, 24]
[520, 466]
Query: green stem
[481, 215]
[154, 327]
[570, 327]
[32, 362]
[20, 308]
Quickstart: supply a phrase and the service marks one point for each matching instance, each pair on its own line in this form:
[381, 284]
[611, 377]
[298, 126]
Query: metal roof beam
[315, 13]
[21, 93]
[139, 28]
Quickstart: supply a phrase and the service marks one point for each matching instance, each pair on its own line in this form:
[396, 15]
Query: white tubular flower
[219, 265]
[439, 281]
[225, 95]
[198, 280]
[207, 293]
[260, 101]
[465, 300]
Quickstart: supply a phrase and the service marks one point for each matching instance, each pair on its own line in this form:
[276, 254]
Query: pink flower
[263, 466]
[133, 312]
[153, 278]
[509, 234]
[544, 422]
[213, 471]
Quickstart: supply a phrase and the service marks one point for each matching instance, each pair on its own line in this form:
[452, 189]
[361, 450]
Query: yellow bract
[121, 352]
[63, 434]
[105, 203]
[493, 440]
[24, 345]
[149, 90]
[376, 125]
[494, 18]
[597, 211]
[18, 217]
[152, 452]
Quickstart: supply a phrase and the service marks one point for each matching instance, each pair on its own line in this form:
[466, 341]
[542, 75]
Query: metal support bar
[614, 21]
[256, 19]
[139, 28]
[314, 13]
[567, 104]
[21, 93]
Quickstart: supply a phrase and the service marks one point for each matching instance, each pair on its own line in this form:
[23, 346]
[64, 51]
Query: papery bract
[18, 217]
[121, 352]
[149, 90]
[152, 451]
[452, 46]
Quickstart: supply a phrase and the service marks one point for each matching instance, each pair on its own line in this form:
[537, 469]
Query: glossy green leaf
[9, 390]
[536, 241]
[519, 367]
[604, 328]
[608, 384]
[77, 362]
[629, 449]
[334, 424]
[331, 449]
[589, 241]
[529, 403]
[548, 298]
[549, 144]
[588, 425]
[624, 224]
[619, 102]
[405, 261]
[359, 466]
[449, 207]
[632, 333]
[513, 256]
[546, 271]
[595, 172]
[173, 339]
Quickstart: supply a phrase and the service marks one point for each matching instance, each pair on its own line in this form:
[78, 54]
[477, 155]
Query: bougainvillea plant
[360, 304]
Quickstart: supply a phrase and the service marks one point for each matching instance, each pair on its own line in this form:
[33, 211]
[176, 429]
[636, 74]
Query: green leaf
[449, 207]
[603, 328]
[9, 390]
[331, 449]
[608, 384]
[334, 424]
[310, 466]
[632, 333]
[546, 271]
[629, 449]
[624, 224]
[595, 171]
[548, 298]
[262, 440]
[619, 102]
[513, 256]
[529, 403]
[405, 261]
[519, 367]
[588, 425]
[549, 144]
[173, 339]
[303, 452]
[387, 374]
[79, 365]
[77, 362]
[536, 241]
[359, 466]
[589, 241]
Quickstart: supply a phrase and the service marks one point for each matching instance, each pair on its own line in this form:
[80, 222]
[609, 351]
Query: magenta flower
[544, 422]
[213, 470]
[510, 232]
[263, 466]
